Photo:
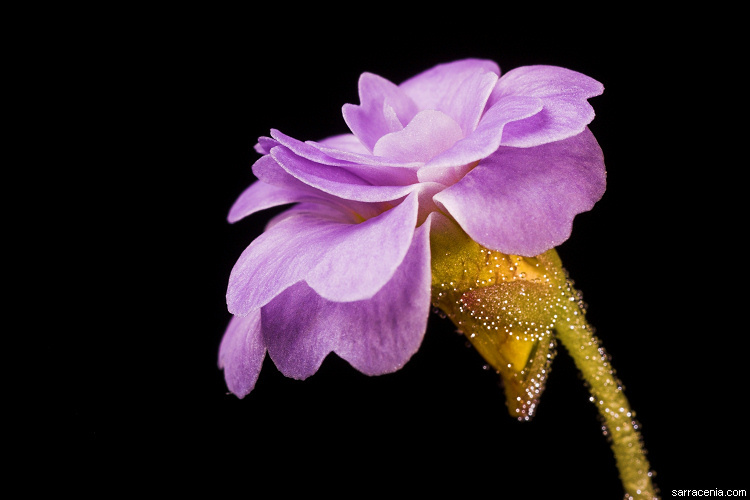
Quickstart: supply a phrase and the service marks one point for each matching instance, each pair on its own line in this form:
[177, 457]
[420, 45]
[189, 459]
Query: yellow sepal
[503, 304]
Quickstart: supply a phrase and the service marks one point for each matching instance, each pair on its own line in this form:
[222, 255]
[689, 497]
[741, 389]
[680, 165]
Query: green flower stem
[509, 306]
[606, 391]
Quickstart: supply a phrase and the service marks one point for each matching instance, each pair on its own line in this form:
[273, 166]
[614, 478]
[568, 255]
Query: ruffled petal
[383, 108]
[309, 150]
[450, 166]
[460, 89]
[430, 133]
[260, 196]
[366, 160]
[335, 180]
[342, 152]
[328, 211]
[345, 142]
[268, 170]
[378, 335]
[564, 93]
[341, 262]
[241, 353]
[264, 145]
[523, 200]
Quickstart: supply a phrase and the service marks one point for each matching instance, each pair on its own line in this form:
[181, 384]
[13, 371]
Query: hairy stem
[606, 391]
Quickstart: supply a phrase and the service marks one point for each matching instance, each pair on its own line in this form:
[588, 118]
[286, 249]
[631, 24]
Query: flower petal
[345, 142]
[342, 152]
[307, 150]
[241, 353]
[267, 170]
[523, 200]
[338, 181]
[564, 93]
[378, 335]
[460, 89]
[264, 145]
[260, 196]
[383, 108]
[342, 262]
[366, 160]
[319, 209]
[449, 166]
[430, 133]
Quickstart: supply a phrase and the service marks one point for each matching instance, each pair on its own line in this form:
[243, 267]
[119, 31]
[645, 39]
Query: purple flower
[347, 268]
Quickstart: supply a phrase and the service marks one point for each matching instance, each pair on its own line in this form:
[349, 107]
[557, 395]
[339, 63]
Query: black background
[175, 102]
